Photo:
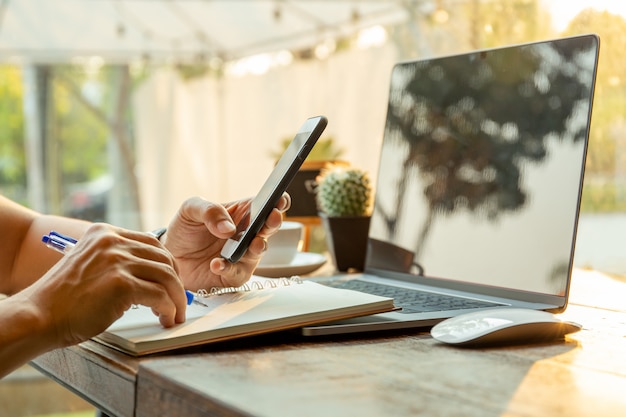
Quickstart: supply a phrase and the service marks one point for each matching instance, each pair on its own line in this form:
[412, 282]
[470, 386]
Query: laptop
[479, 184]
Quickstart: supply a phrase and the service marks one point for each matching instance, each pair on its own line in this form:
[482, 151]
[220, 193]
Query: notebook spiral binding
[251, 286]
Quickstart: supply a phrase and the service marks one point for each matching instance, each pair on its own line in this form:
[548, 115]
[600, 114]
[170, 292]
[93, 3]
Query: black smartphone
[274, 187]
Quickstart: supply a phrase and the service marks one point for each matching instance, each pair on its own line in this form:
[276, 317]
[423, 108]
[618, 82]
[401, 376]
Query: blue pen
[63, 237]
[64, 244]
[58, 242]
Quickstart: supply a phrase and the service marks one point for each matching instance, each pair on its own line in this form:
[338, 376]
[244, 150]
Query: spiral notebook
[260, 306]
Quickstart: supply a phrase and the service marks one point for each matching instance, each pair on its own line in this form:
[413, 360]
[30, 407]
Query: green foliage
[81, 137]
[343, 191]
[507, 22]
[606, 197]
[75, 136]
[190, 72]
[86, 413]
[606, 143]
[324, 150]
[12, 158]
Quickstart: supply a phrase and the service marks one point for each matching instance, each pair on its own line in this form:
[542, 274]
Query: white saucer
[303, 263]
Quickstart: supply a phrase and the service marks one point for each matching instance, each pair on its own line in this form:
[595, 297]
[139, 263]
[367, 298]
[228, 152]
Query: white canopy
[194, 136]
[50, 31]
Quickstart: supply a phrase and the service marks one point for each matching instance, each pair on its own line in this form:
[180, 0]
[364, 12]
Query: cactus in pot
[343, 191]
[344, 200]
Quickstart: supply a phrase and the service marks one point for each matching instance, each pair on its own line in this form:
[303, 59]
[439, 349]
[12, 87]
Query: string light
[325, 49]
[120, 30]
[277, 13]
[255, 64]
[440, 15]
[370, 37]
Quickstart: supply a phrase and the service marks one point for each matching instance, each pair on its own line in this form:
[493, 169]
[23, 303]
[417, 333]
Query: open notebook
[260, 306]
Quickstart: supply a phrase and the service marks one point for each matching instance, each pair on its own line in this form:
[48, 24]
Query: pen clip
[63, 237]
[59, 242]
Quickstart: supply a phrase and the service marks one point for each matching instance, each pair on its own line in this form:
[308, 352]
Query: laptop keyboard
[415, 301]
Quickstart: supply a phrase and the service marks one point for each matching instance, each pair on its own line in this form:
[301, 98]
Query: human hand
[198, 232]
[108, 271]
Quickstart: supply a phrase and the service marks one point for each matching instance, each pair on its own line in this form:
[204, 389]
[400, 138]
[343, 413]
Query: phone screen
[274, 187]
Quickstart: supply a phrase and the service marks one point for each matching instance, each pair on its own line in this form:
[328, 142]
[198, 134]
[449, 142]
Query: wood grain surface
[395, 374]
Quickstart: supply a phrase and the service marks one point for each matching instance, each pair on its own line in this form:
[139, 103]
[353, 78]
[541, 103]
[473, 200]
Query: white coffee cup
[282, 246]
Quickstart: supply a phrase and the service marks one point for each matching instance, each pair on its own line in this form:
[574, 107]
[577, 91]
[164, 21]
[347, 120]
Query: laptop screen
[482, 165]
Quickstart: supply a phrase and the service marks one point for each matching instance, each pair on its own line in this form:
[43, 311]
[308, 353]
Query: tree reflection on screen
[468, 128]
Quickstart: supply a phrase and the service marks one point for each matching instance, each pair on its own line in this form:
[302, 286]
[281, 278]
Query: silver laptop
[479, 184]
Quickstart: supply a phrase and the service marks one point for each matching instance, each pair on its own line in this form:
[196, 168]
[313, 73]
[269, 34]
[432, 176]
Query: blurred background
[118, 110]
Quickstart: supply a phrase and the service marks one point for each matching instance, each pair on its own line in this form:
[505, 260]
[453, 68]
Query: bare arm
[23, 334]
[47, 309]
[23, 257]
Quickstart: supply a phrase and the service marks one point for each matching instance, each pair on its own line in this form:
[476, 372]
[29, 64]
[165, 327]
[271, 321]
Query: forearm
[23, 258]
[34, 259]
[23, 334]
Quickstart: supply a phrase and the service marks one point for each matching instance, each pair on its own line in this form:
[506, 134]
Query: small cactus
[343, 191]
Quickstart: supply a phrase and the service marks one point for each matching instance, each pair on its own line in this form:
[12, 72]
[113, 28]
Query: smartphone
[274, 187]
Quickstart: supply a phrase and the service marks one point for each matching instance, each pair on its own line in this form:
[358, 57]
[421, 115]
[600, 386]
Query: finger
[132, 266]
[164, 276]
[236, 274]
[216, 218]
[156, 297]
[232, 275]
[258, 246]
[142, 237]
[284, 203]
[272, 224]
[142, 245]
[116, 236]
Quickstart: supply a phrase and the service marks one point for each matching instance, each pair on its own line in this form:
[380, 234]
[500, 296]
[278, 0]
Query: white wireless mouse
[501, 326]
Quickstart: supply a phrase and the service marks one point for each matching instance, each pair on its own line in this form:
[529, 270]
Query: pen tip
[189, 295]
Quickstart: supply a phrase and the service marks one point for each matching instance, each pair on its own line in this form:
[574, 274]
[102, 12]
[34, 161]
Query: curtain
[215, 137]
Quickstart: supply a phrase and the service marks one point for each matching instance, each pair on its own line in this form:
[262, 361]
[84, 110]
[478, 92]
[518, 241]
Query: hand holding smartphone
[274, 187]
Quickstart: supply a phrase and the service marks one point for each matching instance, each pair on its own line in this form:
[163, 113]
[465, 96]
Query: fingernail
[225, 226]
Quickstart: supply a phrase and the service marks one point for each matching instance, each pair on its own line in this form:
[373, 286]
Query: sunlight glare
[373, 36]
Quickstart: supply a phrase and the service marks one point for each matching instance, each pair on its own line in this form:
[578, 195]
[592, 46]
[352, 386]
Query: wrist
[24, 334]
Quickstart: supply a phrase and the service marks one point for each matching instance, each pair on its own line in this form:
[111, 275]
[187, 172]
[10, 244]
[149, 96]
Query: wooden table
[392, 374]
